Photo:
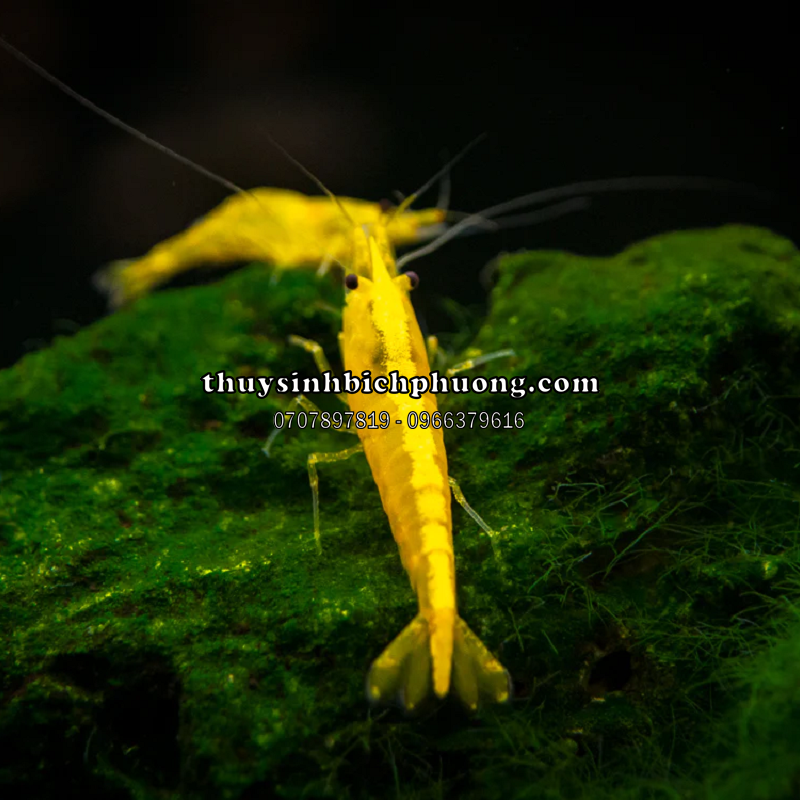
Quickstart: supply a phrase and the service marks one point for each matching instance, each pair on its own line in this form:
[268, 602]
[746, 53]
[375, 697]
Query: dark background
[370, 104]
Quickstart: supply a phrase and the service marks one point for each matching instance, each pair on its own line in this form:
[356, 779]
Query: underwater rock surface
[168, 630]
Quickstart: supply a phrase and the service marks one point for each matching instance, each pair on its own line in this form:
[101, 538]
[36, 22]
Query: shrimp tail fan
[124, 281]
[404, 673]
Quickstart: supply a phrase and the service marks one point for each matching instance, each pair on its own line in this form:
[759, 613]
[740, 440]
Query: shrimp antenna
[643, 183]
[443, 200]
[116, 121]
[445, 170]
[640, 183]
[143, 137]
[309, 174]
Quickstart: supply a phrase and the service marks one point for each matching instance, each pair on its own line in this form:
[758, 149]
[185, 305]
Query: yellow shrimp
[282, 227]
[380, 333]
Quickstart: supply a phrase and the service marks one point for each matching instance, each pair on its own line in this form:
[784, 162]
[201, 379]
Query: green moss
[169, 630]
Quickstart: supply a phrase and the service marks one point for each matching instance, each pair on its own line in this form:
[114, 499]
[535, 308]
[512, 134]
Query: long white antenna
[571, 190]
[116, 121]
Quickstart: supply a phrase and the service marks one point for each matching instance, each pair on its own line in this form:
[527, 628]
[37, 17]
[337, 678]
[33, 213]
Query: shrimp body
[283, 227]
[409, 465]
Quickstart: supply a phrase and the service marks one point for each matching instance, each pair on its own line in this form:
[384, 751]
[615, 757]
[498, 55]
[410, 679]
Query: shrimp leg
[323, 365]
[312, 408]
[301, 400]
[432, 346]
[313, 478]
[320, 458]
[477, 361]
[456, 489]
[435, 354]
[462, 501]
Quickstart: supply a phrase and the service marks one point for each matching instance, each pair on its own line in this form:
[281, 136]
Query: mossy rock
[170, 632]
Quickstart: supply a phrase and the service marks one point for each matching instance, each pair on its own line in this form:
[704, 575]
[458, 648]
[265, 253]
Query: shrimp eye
[414, 278]
[386, 205]
[351, 281]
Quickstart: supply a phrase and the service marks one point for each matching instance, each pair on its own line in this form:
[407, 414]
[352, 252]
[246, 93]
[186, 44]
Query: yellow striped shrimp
[279, 226]
[381, 335]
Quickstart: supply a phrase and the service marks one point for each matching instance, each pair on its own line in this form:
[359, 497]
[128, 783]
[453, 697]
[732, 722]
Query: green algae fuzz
[169, 631]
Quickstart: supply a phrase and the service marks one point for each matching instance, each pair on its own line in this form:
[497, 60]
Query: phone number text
[360, 420]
